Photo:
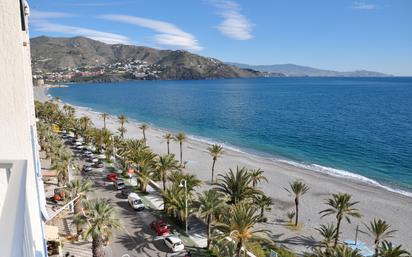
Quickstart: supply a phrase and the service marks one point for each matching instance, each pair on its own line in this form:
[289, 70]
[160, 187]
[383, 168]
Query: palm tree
[143, 127]
[122, 120]
[146, 173]
[215, 151]
[101, 221]
[237, 186]
[328, 233]
[122, 131]
[69, 110]
[257, 176]
[263, 202]
[297, 188]
[388, 250]
[345, 251]
[164, 164]
[210, 202]
[62, 172]
[104, 116]
[238, 224]
[168, 137]
[343, 208]
[85, 123]
[180, 137]
[78, 188]
[379, 230]
[192, 181]
[131, 148]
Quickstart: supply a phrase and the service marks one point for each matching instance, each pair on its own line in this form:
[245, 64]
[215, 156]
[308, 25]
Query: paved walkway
[63, 220]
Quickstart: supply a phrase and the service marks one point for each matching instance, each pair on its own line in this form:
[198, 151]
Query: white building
[22, 202]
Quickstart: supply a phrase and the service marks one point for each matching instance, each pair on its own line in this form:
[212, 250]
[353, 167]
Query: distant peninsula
[293, 70]
[81, 59]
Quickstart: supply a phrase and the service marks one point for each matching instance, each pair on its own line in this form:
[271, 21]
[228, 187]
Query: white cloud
[110, 38]
[234, 25]
[363, 6]
[99, 4]
[169, 34]
[36, 14]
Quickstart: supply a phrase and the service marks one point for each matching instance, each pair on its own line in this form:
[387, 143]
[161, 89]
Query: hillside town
[127, 69]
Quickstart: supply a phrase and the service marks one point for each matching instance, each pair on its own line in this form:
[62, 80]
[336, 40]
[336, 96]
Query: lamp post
[183, 183]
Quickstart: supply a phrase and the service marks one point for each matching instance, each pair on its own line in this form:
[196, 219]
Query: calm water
[361, 125]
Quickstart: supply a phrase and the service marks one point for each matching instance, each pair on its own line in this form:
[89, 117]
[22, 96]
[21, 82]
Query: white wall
[17, 107]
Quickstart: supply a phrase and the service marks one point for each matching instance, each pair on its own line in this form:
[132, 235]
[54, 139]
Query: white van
[135, 201]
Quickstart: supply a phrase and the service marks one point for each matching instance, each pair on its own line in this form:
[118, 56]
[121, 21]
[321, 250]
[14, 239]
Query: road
[135, 239]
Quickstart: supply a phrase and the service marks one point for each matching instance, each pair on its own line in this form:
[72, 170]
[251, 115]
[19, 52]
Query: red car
[112, 177]
[161, 227]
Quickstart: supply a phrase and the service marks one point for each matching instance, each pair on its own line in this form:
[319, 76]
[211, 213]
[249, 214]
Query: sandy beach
[374, 201]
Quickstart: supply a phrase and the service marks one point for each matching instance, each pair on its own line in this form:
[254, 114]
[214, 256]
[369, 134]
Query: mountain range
[51, 54]
[294, 70]
[84, 59]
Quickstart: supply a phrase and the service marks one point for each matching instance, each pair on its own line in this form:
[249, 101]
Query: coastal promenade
[375, 202]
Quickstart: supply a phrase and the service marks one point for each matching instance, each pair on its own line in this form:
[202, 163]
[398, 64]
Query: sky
[340, 35]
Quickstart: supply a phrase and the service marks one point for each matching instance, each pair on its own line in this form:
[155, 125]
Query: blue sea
[353, 127]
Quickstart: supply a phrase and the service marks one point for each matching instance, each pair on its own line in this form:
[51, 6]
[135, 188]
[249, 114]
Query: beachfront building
[22, 201]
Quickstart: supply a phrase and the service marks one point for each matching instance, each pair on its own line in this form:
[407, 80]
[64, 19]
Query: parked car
[101, 156]
[126, 192]
[112, 177]
[174, 243]
[87, 168]
[119, 184]
[99, 164]
[161, 227]
[135, 201]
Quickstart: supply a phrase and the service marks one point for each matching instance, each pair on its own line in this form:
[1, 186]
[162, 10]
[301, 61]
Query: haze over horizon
[343, 36]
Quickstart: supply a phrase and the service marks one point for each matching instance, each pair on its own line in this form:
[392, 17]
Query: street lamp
[183, 183]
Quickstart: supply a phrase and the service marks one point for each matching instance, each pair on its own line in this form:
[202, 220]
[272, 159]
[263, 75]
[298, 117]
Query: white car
[135, 201]
[119, 184]
[174, 243]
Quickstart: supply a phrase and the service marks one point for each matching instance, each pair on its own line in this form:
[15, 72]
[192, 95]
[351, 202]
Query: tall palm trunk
[239, 248]
[168, 147]
[164, 182]
[337, 231]
[104, 122]
[78, 209]
[209, 220]
[97, 246]
[213, 168]
[144, 137]
[181, 153]
[297, 211]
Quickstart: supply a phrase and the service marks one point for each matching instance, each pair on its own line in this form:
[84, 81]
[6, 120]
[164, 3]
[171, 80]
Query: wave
[344, 174]
[338, 173]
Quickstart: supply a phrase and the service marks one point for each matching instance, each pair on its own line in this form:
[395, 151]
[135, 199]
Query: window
[22, 14]
[4, 182]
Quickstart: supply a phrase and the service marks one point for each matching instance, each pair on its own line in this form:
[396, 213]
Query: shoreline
[280, 172]
[312, 167]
